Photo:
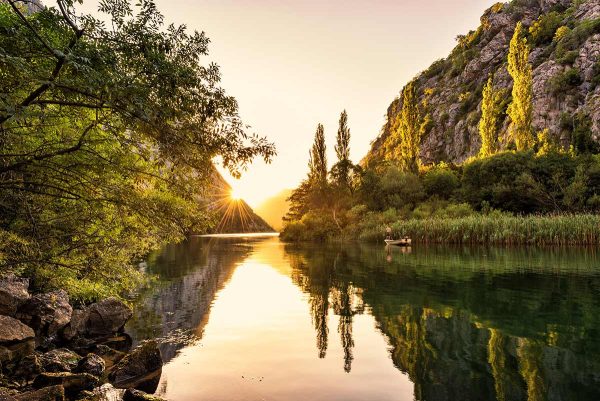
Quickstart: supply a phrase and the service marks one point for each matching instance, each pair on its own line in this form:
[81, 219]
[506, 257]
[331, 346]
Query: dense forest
[523, 184]
[109, 125]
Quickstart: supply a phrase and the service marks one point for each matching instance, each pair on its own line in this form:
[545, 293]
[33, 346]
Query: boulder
[106, 317]
[76, 326]
[73, 383]
[137, 395]
[52, 393]
[28, 368]
[109, 355]
[10, 353]
[13, 331]
[59, 360]
[106, 392]
[121, 342]
[46, 313]
[13, 292]
[92, 364]
[7, 395]
[139, 370]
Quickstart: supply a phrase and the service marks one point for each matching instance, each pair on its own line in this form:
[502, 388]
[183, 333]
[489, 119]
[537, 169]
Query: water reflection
[361, 322]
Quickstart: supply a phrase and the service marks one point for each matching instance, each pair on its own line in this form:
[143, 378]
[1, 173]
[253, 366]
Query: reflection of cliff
[173, 309]
[514, 330]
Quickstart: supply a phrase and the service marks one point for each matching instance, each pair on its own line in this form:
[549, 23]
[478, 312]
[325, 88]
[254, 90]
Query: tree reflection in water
[470, 324]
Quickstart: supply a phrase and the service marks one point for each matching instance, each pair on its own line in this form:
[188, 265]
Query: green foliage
[564, 82]
[404, 142]
[561, 32]
[520, 110]
[596, 75]
[495, 229]
[490, 115]
[572, 40]
[341, 170]
[318, 158]
[107, 136]
[544, 28]
[441, 181]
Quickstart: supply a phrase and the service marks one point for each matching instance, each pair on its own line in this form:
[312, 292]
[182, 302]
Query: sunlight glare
[235, 194]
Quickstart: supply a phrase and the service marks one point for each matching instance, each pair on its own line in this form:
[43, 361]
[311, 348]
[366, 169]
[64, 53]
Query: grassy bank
[570, 229]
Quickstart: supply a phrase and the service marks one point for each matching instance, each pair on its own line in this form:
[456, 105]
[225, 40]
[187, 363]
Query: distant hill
[235, 216]
[564, 36]
[274, 208]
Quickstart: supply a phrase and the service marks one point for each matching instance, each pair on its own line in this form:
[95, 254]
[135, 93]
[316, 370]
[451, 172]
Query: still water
[252, 318]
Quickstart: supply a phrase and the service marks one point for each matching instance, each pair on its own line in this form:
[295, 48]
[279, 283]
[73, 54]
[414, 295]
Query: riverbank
[474, 229]
[583, 229]
[52, 351]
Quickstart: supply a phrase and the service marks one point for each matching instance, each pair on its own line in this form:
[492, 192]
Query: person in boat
[388, 232]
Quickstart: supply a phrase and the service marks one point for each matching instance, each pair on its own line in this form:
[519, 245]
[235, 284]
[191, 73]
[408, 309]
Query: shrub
[441, 181]
[544, 28]
[565, 81]
[561, 32]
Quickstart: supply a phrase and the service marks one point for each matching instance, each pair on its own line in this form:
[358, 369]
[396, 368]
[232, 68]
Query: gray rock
[12, 331]
[59, 360]
[73, 383]
[137, 395]
[28, 368]
[106, 317]
[92, 364]
[13, 292]
[52, 393]
[46, 313]
[139, 370]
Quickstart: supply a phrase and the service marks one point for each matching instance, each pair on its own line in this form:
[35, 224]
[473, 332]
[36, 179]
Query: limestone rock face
[451, 89]
[46, 313]
[13, 292]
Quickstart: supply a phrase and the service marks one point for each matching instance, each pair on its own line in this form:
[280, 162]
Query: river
[251, 318]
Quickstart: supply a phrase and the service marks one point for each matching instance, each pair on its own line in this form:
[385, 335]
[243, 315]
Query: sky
[292, 64]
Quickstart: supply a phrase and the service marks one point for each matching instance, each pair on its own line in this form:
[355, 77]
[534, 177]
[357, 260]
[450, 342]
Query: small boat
[399, 242]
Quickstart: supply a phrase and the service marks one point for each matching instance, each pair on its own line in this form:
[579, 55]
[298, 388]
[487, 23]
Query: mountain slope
[566, 79]
[234, 216]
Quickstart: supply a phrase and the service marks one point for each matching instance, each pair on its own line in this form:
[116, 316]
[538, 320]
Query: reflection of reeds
[581, 229]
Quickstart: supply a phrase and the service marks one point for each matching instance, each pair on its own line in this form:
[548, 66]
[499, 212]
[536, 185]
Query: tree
[341, 170]
[520, 110]
[318, 158]
[405, 140]
[488, 125]
[107, 136]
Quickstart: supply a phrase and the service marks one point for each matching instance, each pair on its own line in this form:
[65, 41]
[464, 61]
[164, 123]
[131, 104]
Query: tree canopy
[108, 133]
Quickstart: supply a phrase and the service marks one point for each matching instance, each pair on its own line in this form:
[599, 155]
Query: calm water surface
[251, 318]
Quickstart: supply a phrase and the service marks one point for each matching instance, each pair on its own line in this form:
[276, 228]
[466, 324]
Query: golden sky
[295, 63]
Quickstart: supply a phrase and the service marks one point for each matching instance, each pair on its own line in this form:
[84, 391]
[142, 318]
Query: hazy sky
[294, 63]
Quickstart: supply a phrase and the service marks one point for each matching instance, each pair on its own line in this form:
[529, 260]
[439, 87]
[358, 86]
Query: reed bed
[565, 229]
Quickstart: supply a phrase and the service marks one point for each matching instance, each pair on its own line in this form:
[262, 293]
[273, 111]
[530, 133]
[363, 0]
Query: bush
[441, 181]
[544, 28]
[400, 189]
[565, 81]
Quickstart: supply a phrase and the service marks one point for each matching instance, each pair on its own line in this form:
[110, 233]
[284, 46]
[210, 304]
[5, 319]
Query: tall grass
[569, 229]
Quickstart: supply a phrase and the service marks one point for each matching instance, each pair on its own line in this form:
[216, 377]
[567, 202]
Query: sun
[235, 194]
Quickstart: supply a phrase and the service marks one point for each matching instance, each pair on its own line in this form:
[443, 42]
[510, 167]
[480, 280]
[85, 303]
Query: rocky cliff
[565, 55]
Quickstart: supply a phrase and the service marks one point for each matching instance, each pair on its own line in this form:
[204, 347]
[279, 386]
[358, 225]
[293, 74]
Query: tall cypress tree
[318, 158]
[405, 140]
[521, 109]
[488, 125]
[341, 171]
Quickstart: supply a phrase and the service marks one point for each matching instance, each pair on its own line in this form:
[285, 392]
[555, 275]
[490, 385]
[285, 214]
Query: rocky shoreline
[50, 351]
